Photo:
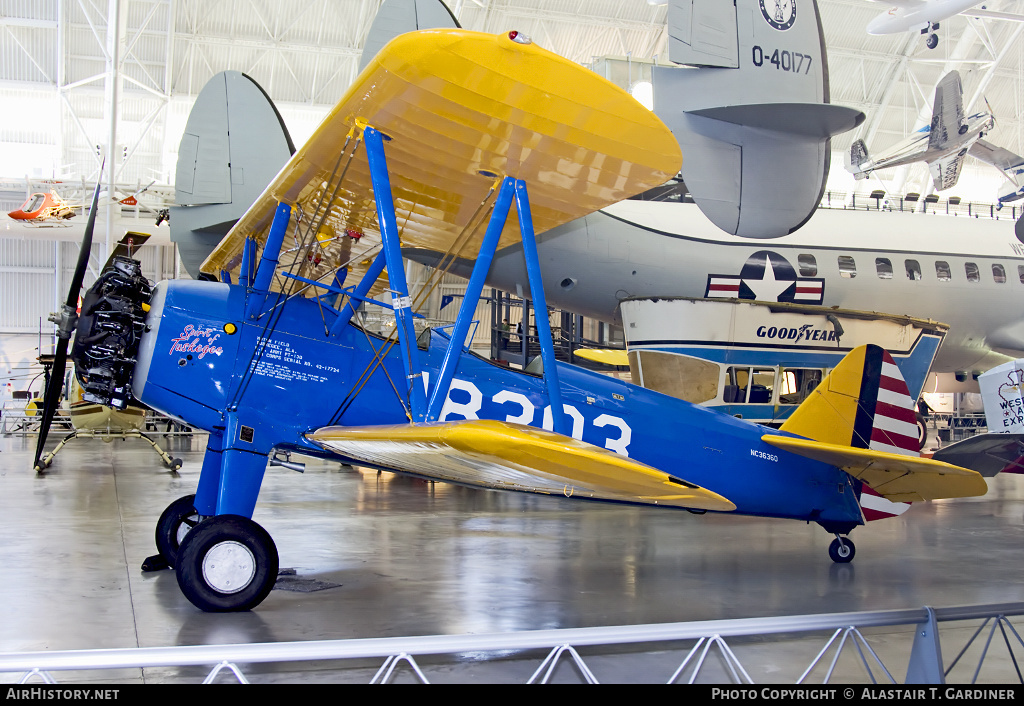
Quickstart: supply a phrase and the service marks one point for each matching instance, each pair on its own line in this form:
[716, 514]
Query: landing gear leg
[172, 463]
[227, 563]
[842, 550]
[47, 460]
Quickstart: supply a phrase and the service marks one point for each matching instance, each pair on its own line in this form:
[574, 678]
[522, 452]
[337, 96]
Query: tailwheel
[842, 550]
[922, 431]
[227, 563]
[932, 41]
[175, 522]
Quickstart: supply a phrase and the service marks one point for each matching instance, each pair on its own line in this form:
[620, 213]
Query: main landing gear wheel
[842, 550]
[932, 41]
[922, 431]
[175, 522]
[227, 563]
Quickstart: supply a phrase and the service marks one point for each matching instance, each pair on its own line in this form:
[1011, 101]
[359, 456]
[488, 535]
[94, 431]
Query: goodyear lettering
[796, 334]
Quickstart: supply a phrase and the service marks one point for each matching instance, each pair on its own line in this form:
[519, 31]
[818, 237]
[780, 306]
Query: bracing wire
[286, 290]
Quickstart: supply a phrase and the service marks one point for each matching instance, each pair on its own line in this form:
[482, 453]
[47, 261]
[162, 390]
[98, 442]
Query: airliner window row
[883, 267]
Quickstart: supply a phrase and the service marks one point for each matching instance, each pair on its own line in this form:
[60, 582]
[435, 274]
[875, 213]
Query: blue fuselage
[267, 381]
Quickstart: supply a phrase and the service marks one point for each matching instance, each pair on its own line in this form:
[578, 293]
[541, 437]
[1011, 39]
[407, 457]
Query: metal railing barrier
[924, 665]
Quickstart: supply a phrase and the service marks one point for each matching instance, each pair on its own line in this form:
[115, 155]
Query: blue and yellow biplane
[442, 134]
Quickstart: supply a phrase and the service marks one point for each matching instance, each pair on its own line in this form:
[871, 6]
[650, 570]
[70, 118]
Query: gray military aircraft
[943, 144]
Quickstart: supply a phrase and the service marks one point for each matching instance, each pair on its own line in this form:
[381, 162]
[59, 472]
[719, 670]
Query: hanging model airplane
[41, 208]
[943, 144]
[270, 358]
[925, 15]
[50, 209]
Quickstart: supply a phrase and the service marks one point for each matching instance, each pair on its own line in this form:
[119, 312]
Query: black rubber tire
[210, 545]
[922, 431]
[181, 512]
[932, 41]
[842, 552]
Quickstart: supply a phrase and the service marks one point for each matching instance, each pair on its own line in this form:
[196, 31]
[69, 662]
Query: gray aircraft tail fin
[397, 17]
[754, 120]
[234, 144]
[702, 33]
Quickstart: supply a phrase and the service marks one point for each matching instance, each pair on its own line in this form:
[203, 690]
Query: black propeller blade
[66, 320]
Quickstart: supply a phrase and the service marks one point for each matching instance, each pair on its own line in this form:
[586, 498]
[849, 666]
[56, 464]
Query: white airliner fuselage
[965, 272]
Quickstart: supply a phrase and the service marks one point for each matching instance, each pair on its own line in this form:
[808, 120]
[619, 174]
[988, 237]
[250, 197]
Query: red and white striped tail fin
[894, 430]
[895, 421]
[863, 403]
[875, 507]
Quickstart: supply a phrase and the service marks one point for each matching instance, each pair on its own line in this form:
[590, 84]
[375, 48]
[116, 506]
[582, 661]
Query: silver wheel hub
[184, 527]
[229, 567]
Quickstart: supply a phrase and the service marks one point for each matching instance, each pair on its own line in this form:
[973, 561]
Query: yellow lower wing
[508, 456]
[895, 477]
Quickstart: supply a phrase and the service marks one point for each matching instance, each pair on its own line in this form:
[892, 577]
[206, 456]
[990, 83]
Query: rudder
[864, 403]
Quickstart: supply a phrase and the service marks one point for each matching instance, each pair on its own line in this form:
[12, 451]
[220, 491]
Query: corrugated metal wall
[31, 288]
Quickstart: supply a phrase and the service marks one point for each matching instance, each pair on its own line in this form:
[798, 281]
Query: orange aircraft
[42, 207]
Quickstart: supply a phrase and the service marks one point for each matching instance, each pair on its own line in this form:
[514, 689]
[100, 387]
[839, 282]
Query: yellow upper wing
[508, 456]
[895, 477]
[460, 108]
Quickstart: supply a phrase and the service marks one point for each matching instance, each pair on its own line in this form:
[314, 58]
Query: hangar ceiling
[56, 58]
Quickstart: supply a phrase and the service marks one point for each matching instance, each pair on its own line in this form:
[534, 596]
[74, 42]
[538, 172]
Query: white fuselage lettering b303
[520, 409]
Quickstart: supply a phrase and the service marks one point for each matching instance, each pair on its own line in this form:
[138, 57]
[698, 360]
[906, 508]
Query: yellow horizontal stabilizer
[607, 356]
[509, 456]
[460, 109]
[895, 477]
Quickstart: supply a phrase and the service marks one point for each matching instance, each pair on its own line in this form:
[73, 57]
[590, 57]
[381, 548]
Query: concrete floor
[409, 557]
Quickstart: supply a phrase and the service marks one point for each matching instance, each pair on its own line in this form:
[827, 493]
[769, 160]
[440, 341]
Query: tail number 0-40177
[783, 60]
